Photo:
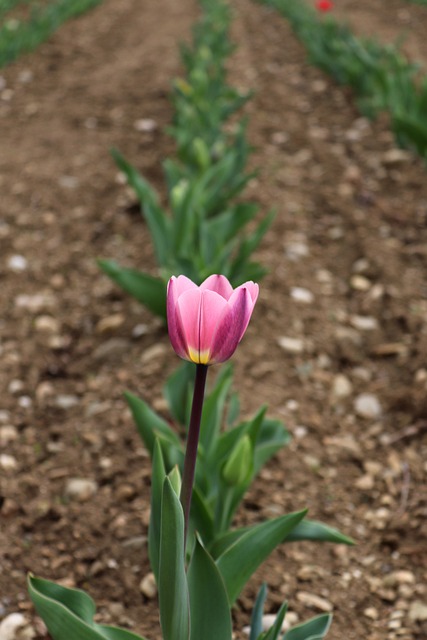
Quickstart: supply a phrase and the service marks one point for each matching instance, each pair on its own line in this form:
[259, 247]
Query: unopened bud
[239, 466]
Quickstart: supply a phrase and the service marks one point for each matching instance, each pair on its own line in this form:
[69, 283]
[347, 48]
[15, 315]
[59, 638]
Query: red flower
[324, 5]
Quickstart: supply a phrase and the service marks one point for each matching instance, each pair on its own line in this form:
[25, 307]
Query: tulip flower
[206, 323]
[324, 5]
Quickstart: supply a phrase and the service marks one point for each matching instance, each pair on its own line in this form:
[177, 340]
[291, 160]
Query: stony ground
[337, 346]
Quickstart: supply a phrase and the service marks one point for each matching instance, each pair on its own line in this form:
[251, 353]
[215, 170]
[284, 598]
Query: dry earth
[337, 346]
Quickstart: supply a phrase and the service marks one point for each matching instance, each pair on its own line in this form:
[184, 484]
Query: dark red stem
[192, 443]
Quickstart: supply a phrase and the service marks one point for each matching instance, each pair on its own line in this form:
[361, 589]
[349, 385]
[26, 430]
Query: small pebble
[299, 294]
[364, 323]
[314, 601]
[17, 263]
[10, 626]
[7, 463]
[368, 406]
[66, 401]
[341, 387]
[418, 611]
[148, 586]
[8, 433]
[80, 489]
[292, 345]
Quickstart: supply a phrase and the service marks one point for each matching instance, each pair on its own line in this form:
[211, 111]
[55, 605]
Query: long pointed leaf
[314, 629]
[148, 290]
[68, 613]
[210, 613]
[257, 613]
[242, 558]
[173, 591]
[150, 424]
[158, 475]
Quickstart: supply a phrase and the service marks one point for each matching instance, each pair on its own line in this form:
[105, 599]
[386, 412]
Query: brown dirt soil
[350, 230]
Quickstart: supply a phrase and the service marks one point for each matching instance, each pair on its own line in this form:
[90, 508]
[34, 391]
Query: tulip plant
[202, 229]
[228, 459]
[197, 585]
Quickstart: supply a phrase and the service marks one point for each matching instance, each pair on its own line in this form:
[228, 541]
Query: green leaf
[157, 220]
[239, 561]
[201, 516]
[158, 475]
[173, 591]
[178, 392]
[318, 532]
[314, 629]
[68, 613]
[304, 530]
[213, 409]
[257, 613]
[272, 436]
[210, 613]
[273, 632]
[148, 290]
[150, 425]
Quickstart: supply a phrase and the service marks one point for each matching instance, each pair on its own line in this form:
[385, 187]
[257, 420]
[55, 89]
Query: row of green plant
[200, 472]
[203, 228]
[383, 79]
[22, 36]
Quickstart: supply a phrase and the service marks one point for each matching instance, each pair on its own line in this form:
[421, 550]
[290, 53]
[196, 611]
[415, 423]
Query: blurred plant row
[204, 227]
[383, 79]
[22, 35]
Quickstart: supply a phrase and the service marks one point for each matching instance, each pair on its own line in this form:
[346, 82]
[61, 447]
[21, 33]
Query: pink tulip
[206, 323]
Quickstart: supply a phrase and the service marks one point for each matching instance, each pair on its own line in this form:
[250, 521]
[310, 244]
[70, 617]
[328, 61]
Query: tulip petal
[219, 284]
[232, 325]
[212, 308]
[253, 290]
[188, 311]
[175, 329]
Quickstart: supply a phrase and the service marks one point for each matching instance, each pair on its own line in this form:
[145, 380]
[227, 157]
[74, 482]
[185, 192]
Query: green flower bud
[239, 466]
[178, 194]
[201, 152]
[175, 478]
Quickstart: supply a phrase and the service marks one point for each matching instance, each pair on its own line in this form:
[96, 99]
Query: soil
[350, 231]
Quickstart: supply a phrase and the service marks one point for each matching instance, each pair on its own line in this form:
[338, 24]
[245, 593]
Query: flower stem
[192, 443]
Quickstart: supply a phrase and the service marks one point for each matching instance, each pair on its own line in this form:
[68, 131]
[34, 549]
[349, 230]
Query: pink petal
[232, 325]
[176, 332]
[218, 283]
[253, 290]
[212, 308]
[188, 309]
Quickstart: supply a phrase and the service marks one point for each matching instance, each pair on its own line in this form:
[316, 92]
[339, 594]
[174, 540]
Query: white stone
[360, 283]
[418, 611]
[145, 125]
[11, 625]
[17, 263]
[65, 401]
[314, 601]
[80, 489]
[148, 586]
[8, 433]
[46, 324]
[292, 345]
[7, 463]
[342, 386]
[364, 323]
[299, 294]
[367, 405]
[296, 250]
[34, 303]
